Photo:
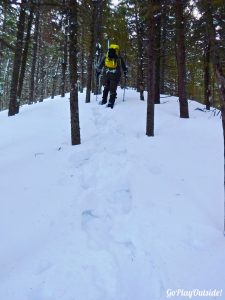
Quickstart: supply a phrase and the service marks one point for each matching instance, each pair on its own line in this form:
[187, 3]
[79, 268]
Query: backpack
[111, 60]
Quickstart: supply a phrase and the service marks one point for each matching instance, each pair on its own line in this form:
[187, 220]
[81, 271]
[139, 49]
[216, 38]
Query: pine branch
[7, 44]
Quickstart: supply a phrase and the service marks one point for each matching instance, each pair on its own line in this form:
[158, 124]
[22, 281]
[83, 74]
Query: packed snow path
[121, 216]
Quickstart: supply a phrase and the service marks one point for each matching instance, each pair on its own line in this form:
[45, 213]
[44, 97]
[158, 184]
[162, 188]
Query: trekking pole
[97, 77]
[125, 80]
[124, 89]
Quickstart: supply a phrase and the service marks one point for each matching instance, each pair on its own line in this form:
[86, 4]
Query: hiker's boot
[104, 97]
[110, 105]
[111, 100]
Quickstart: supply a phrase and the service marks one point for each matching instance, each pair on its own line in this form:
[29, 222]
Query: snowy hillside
[120, 217]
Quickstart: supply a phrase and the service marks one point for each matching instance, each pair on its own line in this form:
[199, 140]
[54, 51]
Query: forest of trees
[171, 47]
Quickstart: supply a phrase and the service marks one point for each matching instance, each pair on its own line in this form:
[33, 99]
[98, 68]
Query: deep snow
[120, 217]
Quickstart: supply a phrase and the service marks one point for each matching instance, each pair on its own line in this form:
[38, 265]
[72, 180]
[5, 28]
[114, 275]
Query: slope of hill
[120, 217]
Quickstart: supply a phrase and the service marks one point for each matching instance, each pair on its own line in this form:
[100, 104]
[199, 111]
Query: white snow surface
[122, 216]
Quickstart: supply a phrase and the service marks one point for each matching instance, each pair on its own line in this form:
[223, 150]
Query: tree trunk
[34, 57]
[181, 60]
[151, 70]
[74, 107]
[24, 58]
[98, 44]
[98, 21]
[42, 75]
[2, 80]
[82, 70]
[17, 60]
[157, 13]
[54, 80]
[140, 54]
[163, 49]
[207, 88]
[65, 57]
[91, 56]
[216, 59]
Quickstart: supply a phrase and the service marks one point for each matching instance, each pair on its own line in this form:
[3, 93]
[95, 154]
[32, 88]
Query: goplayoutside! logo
[170, 293]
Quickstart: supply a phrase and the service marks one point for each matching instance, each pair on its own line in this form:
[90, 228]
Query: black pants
[110, 82]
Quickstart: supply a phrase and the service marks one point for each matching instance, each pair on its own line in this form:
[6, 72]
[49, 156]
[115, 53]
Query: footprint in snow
[105, 275]
[80, 158]
[97, 229]
[121, 201]
[130, 247]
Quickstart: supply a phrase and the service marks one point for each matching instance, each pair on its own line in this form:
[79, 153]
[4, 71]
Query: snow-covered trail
[122, 216]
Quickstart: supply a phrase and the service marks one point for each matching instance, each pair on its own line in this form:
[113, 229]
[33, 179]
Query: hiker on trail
[112, 63]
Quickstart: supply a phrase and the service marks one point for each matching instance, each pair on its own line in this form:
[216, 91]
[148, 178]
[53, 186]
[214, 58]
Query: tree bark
[65, 55]
[24, 58]
[163, 49]
[151, 70]
[34, 57]
[216, 59]
[157, 13]
[2, 46]
[74, 107]
[43, 72]
[17, 60]
[181, 59]
[91, 56]
[140, 54]
[98, 44]
[82, 68]
[207, 88]
[54, 80]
